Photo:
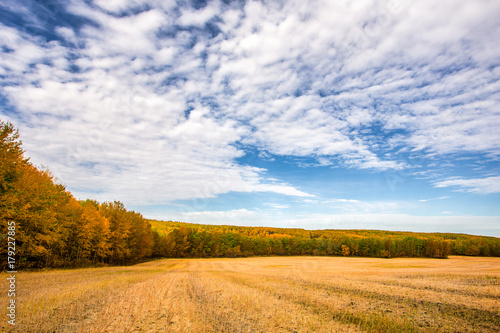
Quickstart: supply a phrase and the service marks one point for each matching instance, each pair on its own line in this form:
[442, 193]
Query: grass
[270, 294]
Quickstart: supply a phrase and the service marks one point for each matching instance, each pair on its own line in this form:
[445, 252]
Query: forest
[53, 229]
[176, 239]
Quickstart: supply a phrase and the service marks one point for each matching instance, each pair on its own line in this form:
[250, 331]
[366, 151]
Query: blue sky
[311, 114]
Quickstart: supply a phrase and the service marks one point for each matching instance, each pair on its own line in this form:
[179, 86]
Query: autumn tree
[11, 160]
[42, 217]
[345, 250]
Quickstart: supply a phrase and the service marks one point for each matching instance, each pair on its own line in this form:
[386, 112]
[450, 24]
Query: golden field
[263, 294]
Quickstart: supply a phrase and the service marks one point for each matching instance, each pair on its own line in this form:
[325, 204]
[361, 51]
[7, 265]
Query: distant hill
[181, 239]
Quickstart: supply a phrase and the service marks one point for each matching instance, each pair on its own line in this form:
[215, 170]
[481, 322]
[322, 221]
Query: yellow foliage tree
[345, 250]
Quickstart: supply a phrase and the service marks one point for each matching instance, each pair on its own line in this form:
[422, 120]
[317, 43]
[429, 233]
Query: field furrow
[234, 307]
[379, 310]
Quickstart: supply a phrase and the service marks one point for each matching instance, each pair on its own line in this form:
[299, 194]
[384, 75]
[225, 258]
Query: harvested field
[264, 294]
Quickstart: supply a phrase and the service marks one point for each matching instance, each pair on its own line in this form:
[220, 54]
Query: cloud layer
[487, 185]
[152, 102]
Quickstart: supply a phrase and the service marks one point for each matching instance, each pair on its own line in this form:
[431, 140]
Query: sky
[306, 114]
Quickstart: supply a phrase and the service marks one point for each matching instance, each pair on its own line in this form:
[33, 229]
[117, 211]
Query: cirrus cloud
[486, 185]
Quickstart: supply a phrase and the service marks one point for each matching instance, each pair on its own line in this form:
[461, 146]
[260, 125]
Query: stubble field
[271, 294]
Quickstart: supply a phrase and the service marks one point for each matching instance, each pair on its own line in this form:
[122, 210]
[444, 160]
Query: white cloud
[382, 74]
[276, 205]
[114, 5]
[341, 200]
[327, 81]
[440, 198]
[108, 136]
[486, 185]
[365, 207]
[281, 189]
[117, 6]
[198, 17]
[131, 36]
[25, 52]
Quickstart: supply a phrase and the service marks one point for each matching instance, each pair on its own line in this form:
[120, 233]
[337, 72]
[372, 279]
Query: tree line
[54, 229]
[177, 239]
